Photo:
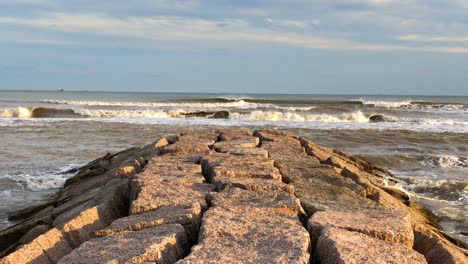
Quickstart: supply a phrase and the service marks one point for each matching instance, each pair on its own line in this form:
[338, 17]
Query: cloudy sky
[257, 46]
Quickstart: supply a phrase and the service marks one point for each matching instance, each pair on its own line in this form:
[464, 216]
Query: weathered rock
[275, 136]
[364, 178]
[84, 186]
[181, 179]
[373, 191]
[250, 184]
[222, 159]
[170, 164]
[299, 170]
[9, 237]
[337, 245]
[191, 143]
[33, 233]
[258, 171]
[246, 142]
[435, 248]
[54, 244]
[318, 195]
[161, 244]
[229, 236]
[226, 166]
[255, 217]
[231, 134]
[321, 153]
[244, 151]
[188, 216]
[153, 149]
[388, 225]
[274, 203]
[114, 196]
[76, 200]
[152, 197]
[46, 248]
[281, 150]
[30, 211]
[31, 253]
[82, 227]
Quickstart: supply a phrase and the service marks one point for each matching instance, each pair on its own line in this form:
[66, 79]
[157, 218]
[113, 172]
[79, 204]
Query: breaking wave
[37, 112]
[415, 105]
[446, 162]
[42, 180]
[387, 104]
[199, 104]
[446, 190]
[357, 117]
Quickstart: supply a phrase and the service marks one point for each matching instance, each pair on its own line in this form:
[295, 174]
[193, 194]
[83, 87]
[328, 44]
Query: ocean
[423, 140]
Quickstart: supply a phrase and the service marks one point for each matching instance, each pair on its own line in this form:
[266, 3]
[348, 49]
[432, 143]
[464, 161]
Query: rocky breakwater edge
[228, 196]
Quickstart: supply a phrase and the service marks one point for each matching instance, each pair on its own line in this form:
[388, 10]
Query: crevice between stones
[208, 179]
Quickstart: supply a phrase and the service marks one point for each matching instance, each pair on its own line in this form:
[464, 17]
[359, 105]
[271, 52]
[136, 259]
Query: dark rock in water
[377, 118]
[197, 114]
[70, 171]
[41, 112]
[217, 114]
[220, 114]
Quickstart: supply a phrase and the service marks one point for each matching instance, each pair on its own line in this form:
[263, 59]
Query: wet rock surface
[228, 196]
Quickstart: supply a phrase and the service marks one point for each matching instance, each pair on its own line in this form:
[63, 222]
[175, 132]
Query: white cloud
[289, 23]
[425, 38]
[180, 29]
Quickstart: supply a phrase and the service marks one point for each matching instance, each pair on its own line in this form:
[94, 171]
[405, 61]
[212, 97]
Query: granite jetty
[229, 196]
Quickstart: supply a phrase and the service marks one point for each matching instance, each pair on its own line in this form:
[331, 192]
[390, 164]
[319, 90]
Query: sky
[417, 47]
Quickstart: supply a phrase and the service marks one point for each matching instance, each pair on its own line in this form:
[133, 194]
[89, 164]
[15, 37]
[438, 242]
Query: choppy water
[423, 140]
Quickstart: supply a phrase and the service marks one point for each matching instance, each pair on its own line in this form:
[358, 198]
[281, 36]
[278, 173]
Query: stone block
[152, 197]
[188, 216]
[230, 236]
[388, 225]
[250, 184]
[274, 203]
[339, 246]
[161, 244]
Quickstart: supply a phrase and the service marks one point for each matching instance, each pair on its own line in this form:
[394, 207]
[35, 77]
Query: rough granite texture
[265, 185]
[392, 226]
[152, 197]
[228, 196]
[336, 246]
[235, 235]
[162, 244]
[276, 203]
[188, 216]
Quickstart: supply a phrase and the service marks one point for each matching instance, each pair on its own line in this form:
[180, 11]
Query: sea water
[423, 140]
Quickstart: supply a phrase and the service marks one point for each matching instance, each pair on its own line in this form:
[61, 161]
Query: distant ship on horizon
[61, 90]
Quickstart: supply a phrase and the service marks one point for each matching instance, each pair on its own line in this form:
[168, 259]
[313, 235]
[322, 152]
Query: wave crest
[202, 104]
[37, 112]
[446, 162]
[357, 117]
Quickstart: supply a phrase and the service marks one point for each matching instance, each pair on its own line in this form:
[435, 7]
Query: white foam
[152, 114]
[357, 117]
[237, 104]
[387, 104]
[20, 112]
[446, 161]
[413, 105]
[41, 180]
[194, 106]
[37, 182]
